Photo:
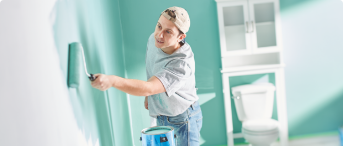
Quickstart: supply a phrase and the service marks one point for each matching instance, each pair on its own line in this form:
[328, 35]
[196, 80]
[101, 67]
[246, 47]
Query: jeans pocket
[179, 119]
[176, 120]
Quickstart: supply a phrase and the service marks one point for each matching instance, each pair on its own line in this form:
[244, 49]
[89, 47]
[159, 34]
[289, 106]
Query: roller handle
[92, 78]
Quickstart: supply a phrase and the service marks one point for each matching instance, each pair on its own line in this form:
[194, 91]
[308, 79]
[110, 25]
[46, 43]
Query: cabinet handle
[252, 26]
[247, 26]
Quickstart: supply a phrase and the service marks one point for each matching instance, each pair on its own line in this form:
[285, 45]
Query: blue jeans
[186, 126]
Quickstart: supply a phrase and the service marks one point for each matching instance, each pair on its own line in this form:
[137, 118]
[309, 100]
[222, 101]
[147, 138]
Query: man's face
[166, 33]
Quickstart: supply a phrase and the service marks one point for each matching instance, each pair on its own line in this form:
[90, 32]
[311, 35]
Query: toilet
[254, 106]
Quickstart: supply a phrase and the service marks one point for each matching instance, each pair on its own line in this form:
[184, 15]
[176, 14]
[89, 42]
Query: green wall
[312, 40]
[115, 33]
[96, 25]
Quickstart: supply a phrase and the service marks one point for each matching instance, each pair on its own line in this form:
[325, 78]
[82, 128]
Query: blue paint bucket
[158, 136]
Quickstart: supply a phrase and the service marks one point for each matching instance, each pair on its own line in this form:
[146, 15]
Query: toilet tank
[254, 101]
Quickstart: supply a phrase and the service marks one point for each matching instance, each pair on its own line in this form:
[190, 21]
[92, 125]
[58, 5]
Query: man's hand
[102, 82]
[146, 102]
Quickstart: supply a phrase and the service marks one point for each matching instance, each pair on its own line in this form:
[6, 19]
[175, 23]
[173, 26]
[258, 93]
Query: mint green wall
[312, 37]
[115, 33]
[96, 24]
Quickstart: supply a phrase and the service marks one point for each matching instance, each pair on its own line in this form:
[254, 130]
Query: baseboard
[319, 139]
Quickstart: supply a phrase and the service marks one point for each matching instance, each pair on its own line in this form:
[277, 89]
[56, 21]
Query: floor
[331, 140]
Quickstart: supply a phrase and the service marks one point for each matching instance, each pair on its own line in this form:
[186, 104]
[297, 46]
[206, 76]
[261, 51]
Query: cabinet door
[264, 22]
[233, 18]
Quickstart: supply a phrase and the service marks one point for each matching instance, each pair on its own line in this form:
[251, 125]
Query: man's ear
[182, 36]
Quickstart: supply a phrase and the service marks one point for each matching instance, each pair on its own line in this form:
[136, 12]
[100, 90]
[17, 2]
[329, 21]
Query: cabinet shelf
[251, 60]
[233, 26]
[251, 67]
[265, 23]
[257, 24]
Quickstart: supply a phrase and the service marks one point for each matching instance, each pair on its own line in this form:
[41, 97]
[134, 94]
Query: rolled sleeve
[174, 75]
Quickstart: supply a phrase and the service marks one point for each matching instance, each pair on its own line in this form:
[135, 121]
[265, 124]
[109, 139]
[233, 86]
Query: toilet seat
[260, 127]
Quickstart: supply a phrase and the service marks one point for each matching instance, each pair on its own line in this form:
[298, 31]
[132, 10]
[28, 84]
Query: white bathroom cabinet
[250, 33]
[248, 27]
[251, 43]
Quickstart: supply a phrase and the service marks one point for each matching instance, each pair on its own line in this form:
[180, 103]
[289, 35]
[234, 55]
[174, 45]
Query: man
[170, 93]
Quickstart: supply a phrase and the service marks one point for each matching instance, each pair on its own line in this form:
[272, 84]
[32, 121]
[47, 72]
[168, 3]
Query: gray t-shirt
[176, 72]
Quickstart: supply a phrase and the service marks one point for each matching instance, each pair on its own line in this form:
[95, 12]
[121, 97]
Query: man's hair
[172, 15]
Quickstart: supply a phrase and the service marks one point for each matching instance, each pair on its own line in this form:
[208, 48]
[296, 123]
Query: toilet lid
[262, 125]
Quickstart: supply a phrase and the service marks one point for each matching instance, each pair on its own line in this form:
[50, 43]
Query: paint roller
[76, 58]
